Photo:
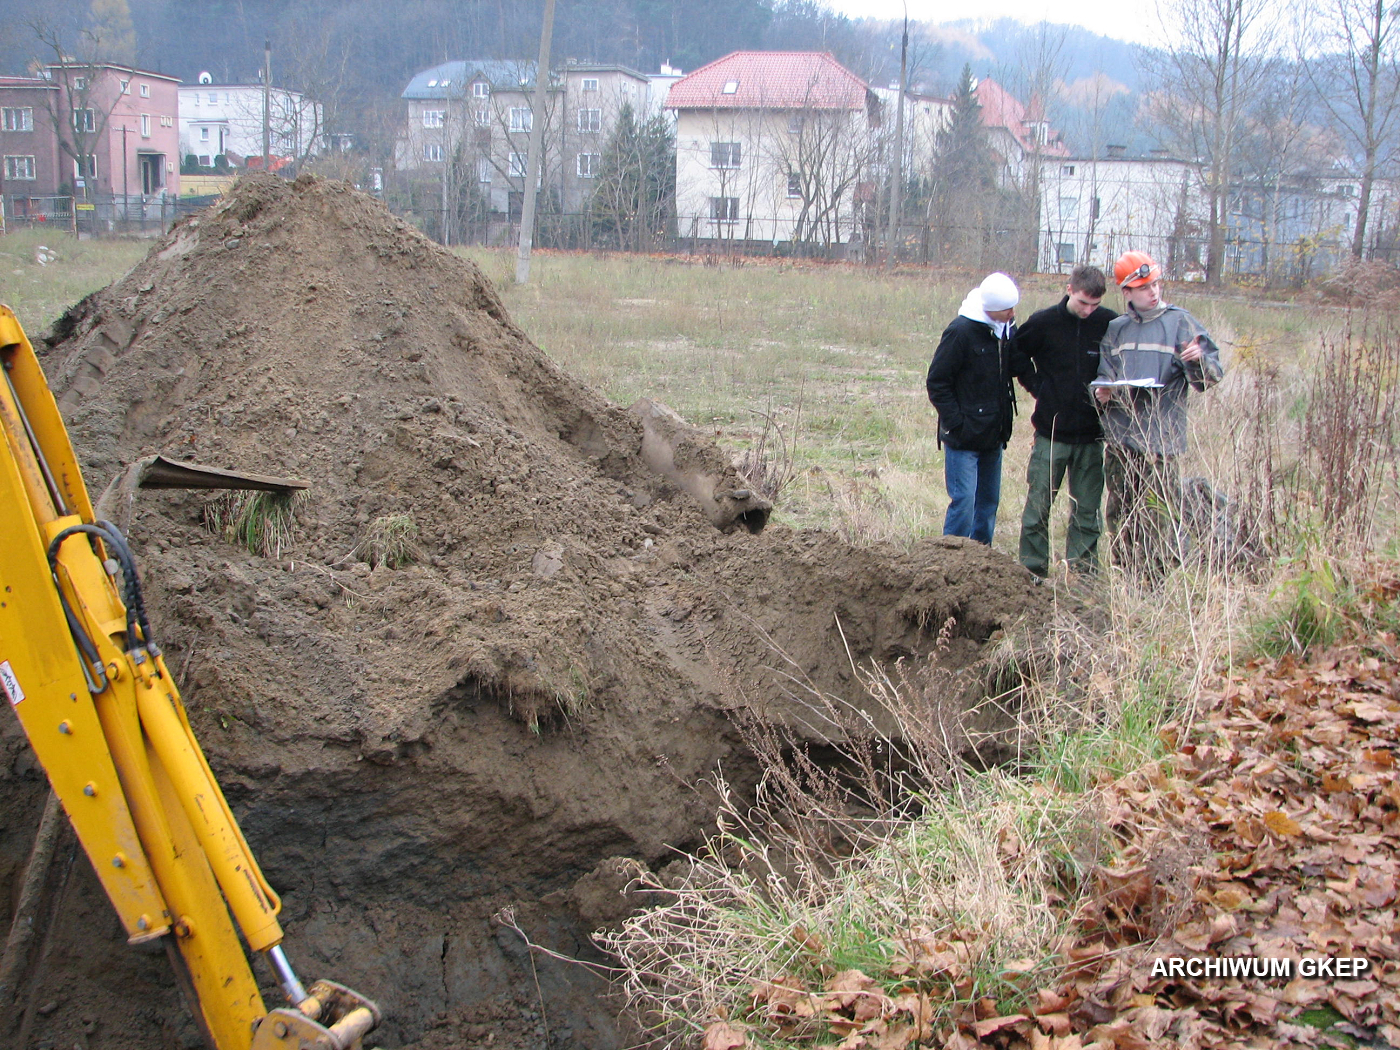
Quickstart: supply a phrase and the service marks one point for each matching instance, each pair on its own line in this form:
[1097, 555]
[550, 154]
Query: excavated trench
[432, 755]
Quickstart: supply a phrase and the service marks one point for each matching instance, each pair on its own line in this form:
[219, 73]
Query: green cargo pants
[1144, 500]
[1050, 462]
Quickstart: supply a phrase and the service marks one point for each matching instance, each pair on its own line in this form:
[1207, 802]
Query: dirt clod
[538, 679]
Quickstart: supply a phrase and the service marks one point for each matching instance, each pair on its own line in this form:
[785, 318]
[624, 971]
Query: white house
[774, 147]
[1095, 208]
[228, 119]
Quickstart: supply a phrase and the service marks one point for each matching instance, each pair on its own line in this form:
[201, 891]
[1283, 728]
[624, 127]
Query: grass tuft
[390, 540]
[262, 523]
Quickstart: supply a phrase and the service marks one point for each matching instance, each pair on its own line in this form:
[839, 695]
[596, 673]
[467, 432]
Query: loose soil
[549, 683]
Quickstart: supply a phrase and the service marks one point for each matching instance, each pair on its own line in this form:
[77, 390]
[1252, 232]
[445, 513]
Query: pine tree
[966, 200]
[633, 202]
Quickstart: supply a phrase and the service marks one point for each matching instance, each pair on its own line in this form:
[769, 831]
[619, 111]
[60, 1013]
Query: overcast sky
[1069, 12]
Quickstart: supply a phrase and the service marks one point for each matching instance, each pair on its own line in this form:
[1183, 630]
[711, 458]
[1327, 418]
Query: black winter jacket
[1056, 358]
[969, 382]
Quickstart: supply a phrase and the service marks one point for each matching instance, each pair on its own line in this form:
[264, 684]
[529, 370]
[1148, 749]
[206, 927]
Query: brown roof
[770, 80]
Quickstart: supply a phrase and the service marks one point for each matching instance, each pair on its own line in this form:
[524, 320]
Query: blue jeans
[974, 490]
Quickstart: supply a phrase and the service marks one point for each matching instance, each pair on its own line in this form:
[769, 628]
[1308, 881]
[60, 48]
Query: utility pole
[532, 161]
[267, 104]
[897, 171]
[126, 196]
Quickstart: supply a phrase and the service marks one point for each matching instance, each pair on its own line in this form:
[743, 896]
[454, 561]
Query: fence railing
[99, 215]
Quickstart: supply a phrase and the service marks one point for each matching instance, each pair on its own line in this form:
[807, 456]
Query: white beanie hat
[999, 292]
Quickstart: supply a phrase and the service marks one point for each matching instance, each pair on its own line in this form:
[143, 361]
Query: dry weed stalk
[768, 464]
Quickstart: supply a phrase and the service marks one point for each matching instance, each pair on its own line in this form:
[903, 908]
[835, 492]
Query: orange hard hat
[1135, 269]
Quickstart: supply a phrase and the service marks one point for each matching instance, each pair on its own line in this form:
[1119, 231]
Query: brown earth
[547, 686]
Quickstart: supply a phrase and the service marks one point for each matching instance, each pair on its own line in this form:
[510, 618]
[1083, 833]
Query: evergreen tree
[966, 202]
[634, 201]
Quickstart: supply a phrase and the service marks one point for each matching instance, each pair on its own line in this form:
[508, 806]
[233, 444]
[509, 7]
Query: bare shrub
[767, 465]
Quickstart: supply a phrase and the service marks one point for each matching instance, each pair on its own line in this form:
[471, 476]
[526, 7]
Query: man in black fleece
[1057, 359]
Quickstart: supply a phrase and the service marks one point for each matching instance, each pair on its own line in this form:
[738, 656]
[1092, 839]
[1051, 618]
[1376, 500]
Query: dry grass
[262, 523]
[390, 540]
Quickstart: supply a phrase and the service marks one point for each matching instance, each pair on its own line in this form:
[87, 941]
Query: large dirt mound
[411, 748]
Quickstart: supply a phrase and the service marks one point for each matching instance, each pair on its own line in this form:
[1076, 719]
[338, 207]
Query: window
[794, 184]
[213, 97]
[483, 169]
[730, 87]
[518, 165]
[521, 119]
[84, 120]
[482, 117]
[1069, 207]
[588, 164]
[590, 83]
[203, 134]
[145, 125]
[590, 121]
[145, 90]
[86, 167]
[205, 160]
[17, 118]
[481, 89]
[1067, 169]
[167, 121]
[724, 154]
[432, 118]
[1094, 209]
[19, 169]
[724, 209]
[433, 151]
[79, 83]
[795, 124]
[1064, 253]
[126, 87]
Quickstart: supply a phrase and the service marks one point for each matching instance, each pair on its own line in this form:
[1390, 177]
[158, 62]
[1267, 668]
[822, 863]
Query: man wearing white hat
[969, 382]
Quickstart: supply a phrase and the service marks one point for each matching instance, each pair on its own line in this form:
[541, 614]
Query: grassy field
[833, 355]
[836, 354]
[40, 292]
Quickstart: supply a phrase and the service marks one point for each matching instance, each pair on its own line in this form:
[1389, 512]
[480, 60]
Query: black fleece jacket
[969, 382]
[1057, 357]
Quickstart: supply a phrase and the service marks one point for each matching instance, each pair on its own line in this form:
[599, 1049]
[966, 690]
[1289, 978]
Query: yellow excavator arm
[87, 680]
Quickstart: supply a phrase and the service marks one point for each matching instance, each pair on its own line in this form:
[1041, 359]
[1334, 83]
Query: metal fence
[99, 215]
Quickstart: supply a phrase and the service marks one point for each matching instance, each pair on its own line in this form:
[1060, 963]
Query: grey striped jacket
[1148, 346]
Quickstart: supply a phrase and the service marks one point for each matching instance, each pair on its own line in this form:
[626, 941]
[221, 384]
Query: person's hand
[1104, 394]
[1193, 351]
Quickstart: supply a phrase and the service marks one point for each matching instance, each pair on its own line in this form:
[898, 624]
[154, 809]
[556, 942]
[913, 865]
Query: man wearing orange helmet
[1152, 355]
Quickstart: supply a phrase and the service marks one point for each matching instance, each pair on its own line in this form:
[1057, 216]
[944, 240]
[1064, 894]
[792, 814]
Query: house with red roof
[1020, 134]
[774, 147]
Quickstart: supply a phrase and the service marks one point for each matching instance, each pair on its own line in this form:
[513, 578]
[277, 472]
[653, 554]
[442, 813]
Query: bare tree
[1036, 76]
[90, 87]
[1205, 81]
[1358, 80]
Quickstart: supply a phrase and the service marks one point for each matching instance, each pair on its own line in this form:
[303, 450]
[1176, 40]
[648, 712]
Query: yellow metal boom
[102, 712]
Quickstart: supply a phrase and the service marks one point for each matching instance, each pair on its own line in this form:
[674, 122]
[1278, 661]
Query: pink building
[30, 166]
[124, 125]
